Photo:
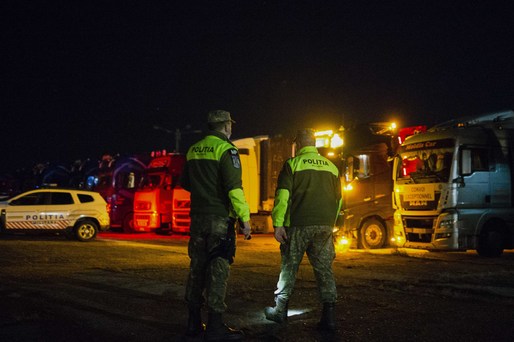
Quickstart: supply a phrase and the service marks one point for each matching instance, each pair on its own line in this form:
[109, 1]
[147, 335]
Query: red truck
[160, 203]
[117, 181]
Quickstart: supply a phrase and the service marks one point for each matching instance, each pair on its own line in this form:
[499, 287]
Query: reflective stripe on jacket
[308, 191]
[212, 175]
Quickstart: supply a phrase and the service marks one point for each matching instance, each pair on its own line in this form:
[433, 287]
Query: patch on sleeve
[235, 158]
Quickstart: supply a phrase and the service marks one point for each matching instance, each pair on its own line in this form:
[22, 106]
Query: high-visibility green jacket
[212, 175]
[308, 191]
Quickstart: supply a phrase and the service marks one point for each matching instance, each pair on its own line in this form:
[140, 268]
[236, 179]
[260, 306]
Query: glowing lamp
[336, 141]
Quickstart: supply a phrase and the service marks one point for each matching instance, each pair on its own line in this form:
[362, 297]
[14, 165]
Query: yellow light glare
[344, 241]
[343, 244]
[348, 187]
[321, 133]
[322, 142]
[336, 141]
[397, 241]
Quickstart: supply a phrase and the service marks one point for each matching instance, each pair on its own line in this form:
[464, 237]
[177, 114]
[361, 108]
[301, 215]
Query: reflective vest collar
[307, 149]
[218, 135]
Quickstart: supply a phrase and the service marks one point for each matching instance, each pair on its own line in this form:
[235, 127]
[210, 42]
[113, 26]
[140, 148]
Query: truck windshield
[426, 165]
[151, 181]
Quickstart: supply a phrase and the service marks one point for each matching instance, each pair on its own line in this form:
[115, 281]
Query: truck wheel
[128, 223]
[164, 230]
[85, 230]
[372, 234]
[490, 242]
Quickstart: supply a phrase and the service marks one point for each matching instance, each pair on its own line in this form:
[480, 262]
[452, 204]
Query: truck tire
[490, 242]
[128, 223]
[85, 230]
[164, 230]
[373, 234]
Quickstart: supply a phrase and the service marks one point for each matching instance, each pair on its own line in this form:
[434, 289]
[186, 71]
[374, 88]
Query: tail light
[108, 208]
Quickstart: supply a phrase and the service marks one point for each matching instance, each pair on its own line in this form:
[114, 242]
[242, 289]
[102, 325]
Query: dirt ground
[130, 288]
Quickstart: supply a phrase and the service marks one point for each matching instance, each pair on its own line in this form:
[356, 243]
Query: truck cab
[160, 203]
[364, 154]
[453, 186]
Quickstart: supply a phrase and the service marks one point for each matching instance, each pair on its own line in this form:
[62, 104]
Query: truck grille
[182, 220]
[419, 229]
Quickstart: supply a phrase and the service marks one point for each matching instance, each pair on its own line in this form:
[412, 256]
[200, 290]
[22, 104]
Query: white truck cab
[454, 186]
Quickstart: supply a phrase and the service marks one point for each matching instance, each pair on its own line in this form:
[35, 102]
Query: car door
[58, 209]
[22, 212]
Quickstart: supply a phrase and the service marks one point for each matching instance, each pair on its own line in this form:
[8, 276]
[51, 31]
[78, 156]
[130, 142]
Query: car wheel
[373, 234]
[490, 242]
[85, 230]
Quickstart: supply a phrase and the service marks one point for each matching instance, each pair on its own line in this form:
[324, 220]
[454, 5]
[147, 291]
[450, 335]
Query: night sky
[83, 78]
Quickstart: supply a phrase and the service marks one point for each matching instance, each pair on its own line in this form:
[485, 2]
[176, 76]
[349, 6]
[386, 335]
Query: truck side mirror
[459, 181]
[350, 169]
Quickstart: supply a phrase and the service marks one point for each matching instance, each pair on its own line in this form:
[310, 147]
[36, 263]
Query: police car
[76, 213]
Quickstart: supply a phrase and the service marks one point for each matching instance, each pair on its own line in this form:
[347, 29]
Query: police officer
[307, 203]
[213, 176]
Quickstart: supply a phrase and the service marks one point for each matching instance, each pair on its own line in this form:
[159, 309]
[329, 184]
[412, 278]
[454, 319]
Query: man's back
[208, 177]
[315, 189]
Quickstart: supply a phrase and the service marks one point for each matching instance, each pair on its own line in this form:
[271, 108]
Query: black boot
[194, 323]
[277, 314]
[218, 331]
[327, 321]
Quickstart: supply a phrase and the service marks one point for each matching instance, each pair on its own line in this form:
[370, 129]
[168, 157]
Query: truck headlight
[447, 224]
[398, 219]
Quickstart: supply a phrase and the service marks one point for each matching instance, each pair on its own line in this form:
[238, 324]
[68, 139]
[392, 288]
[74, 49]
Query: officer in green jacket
[212, 175]
[307, 203]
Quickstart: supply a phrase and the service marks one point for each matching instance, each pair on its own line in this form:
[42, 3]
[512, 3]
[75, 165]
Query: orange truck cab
[160, 203]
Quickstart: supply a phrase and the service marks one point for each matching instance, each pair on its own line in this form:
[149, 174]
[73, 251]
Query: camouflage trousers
[208, 272]
[318, 243]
